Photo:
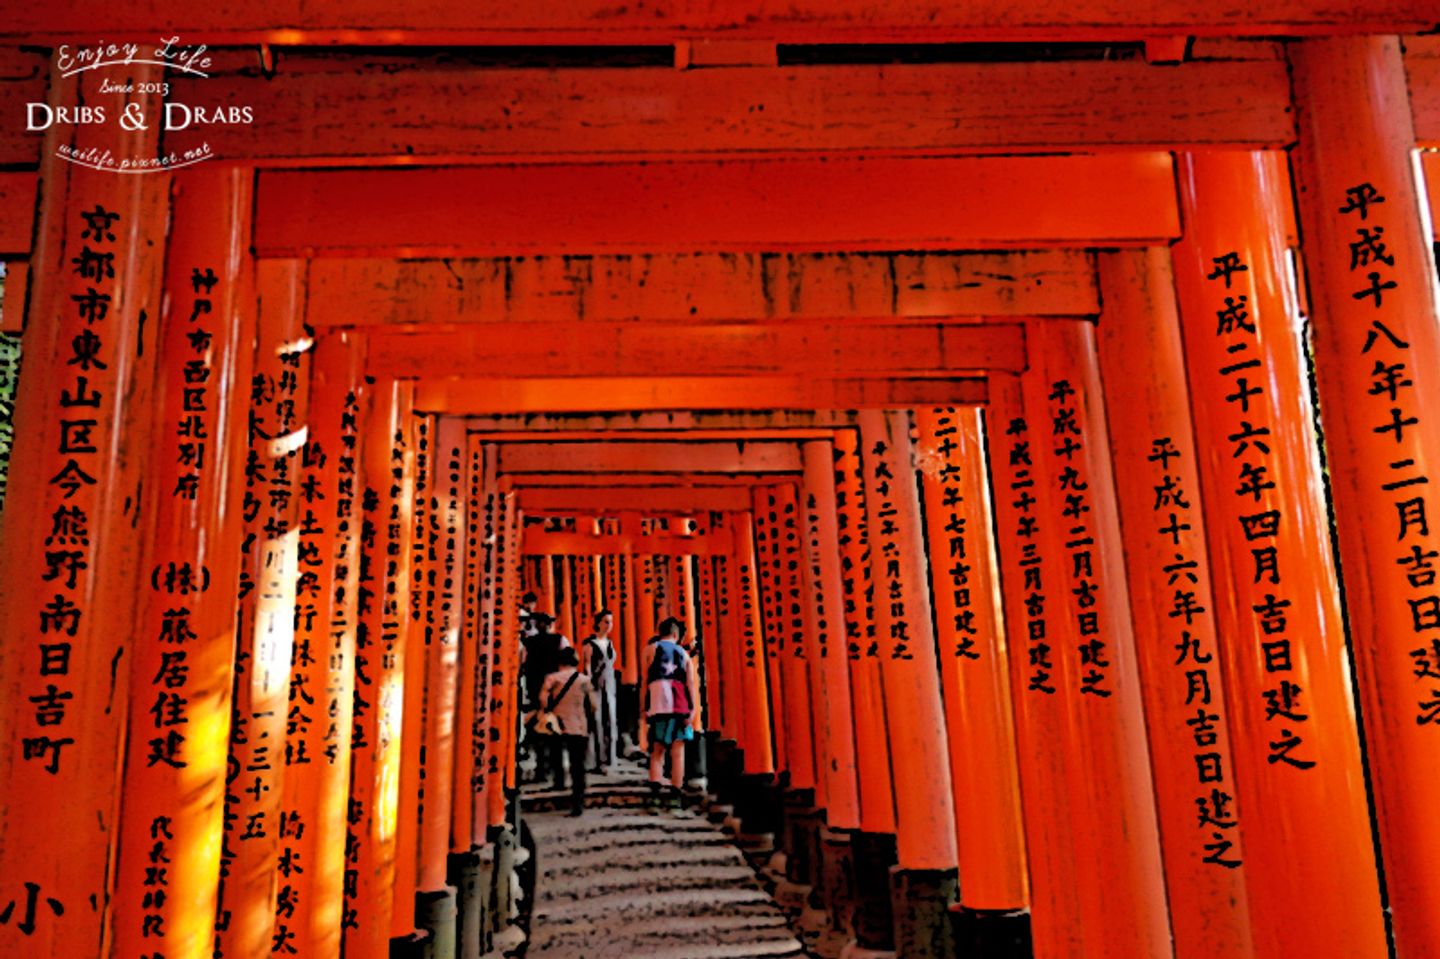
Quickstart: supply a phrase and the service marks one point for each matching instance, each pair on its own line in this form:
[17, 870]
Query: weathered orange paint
[60, 776]
[1310, 853]
[973, 650]
[182, 653]
[1355, 129]
[872, 744]
[1157, 485]
[826, 638]
[322, 676]
[914, 715]
[380, 679]
[279, 407]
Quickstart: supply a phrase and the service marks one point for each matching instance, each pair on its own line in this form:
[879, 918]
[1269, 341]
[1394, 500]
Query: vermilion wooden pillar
[183, 651]
[1168, 565]
[925, 882]
[71, 561]
[381, 639]
[1368, 249]
[549, 590]
[1293, 725]
[872, 747]
[279, 394]
[772, 618]
[1030, 576]
[487, 769]
[1114, 830]
[645, 621]
[441, 635]
[974, 670]
[790, 629]
[507, 621]
[412, 731]
[827, 637]
[752, 699]
[707, 614]
[724, 714]
[567, 623]
[310, 902]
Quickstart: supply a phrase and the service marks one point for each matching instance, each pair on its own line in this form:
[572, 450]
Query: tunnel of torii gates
[970, 412]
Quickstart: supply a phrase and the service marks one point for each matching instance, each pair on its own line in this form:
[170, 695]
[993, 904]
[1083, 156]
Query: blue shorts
[671, 729]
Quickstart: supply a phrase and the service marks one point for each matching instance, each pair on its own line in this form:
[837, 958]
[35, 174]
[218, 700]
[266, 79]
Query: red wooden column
[421, 430]
[507, 621]
[488, 775]
[825, 638]
[1030, 575]
[723, 715]
[565, 613]
[549, 589]
[792, 651]
[181, 680]
[645, 619]
[435, 906]
[380, 647]
[872, 746]
[1293, 726]
[1158, 488]
[925, 881]
[974, 671]
[1113, 800]
[472, 723]
[1377, 362]
[753, 701]
[72, 560]
[310, 902]
[829, 661]
[772, 618]
[708, 618]
[279, 393]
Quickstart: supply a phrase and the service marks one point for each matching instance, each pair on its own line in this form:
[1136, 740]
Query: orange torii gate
[404, 288]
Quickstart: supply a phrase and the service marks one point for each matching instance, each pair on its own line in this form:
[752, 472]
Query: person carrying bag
[567, 708]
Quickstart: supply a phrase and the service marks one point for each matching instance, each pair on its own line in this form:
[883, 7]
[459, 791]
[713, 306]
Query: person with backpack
[539, 657]
[567, 708]
[669, 702]
[598, 652]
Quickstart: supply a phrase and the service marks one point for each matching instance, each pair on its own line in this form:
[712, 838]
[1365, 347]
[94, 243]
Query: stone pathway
[632, 882]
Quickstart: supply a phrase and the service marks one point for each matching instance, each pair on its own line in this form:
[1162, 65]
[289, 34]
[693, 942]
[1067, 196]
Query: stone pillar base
[409, 947]
[873, 919]
[503, 844]
[991, 933]
[435, 913]
[835, 886]
[758, 804]
[921, 900]
[464, 874]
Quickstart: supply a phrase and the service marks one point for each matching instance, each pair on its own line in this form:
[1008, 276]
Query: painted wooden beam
[786, 21]
[397, 106]
[519, 350]
[663, 421]
[619, 456]
[652, 501]
[1116, 199]
[731, 393]
[674, 478]
[701, 287]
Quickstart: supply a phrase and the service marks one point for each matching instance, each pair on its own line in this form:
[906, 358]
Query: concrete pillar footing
[921, 900]
[997, 933]
[435, 913]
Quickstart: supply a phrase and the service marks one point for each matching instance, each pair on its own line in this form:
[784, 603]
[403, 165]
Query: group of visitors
[570, 697]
